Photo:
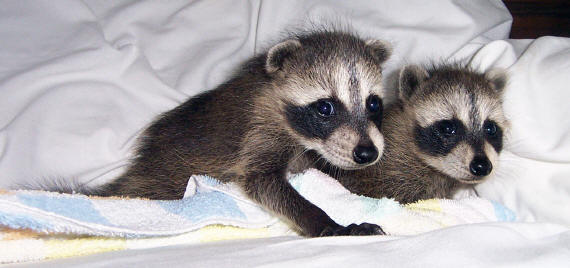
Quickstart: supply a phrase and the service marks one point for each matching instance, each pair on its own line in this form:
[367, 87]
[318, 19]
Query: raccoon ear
[498, 79]
[410, 78]
[279, 53]
[380, 50]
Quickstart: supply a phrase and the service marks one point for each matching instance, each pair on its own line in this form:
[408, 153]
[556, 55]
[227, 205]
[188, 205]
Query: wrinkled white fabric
[476, 245]
[80, 79]
[533, 176]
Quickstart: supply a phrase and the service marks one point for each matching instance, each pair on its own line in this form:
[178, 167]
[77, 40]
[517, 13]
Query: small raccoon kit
[445, 131]
[312, 95]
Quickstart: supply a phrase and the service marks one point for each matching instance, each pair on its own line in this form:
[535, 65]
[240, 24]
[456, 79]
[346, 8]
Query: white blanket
[478, 245]
[79, 80]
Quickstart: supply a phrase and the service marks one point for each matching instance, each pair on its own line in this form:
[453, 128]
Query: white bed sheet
[80, 79]
[477, 245]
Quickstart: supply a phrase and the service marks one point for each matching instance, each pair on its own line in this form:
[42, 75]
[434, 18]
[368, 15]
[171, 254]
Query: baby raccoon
[444, 132]
[314, 94]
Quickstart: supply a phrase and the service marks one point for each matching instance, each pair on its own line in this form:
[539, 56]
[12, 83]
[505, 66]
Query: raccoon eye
[374, 104]
[490, 128]
[447, 127]
[324, 107]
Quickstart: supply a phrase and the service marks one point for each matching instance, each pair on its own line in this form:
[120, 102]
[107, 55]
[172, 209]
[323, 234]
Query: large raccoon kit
[444, 132]
[315, 94]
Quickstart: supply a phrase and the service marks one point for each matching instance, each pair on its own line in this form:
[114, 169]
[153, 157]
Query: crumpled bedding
[53, 225]
[80, 79]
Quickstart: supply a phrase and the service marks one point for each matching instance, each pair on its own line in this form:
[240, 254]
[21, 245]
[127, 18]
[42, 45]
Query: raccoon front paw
[353, 229]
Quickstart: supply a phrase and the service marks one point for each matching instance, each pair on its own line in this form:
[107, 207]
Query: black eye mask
[439, 138]
[316, 120]
[375, 109]
[493, 134]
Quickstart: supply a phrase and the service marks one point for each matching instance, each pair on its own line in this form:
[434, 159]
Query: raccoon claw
[353, 229]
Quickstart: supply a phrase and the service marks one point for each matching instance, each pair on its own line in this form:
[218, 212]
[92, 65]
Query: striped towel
[52, 225]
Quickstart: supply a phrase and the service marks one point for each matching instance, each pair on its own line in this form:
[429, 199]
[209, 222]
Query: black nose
[365, 154]
[480, 166]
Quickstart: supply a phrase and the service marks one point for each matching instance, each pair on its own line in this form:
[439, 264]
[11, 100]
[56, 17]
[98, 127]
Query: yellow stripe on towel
[221, 232]
[58, 248]
[429, 204]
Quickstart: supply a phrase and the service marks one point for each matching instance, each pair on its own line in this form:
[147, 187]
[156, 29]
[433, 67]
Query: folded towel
[395, 219]
[53, 225]
[210, 202]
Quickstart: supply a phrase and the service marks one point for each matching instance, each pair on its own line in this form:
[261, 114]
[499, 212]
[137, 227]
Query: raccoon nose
[480, 166]
[365, 154]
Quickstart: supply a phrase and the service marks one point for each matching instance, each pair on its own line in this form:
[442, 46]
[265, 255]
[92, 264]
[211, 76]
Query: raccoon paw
[354, 229]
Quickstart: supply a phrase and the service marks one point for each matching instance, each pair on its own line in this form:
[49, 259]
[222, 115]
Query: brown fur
[405, 172]
[239, 132]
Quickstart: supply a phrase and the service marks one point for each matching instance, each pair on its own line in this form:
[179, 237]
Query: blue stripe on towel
[79, 208]
[379, 207]
[503, 213]
[19, 221]
[205, 205]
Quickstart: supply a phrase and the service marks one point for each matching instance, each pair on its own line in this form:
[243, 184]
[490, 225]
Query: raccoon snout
[365, 154]
[480, 166]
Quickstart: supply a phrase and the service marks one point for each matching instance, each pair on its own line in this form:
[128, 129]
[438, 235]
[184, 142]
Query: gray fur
[239, 131]
[408, 173]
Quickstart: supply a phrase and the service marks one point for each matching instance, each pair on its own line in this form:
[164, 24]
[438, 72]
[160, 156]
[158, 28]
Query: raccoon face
[332, 96]
[459, 122]
[347, 139]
